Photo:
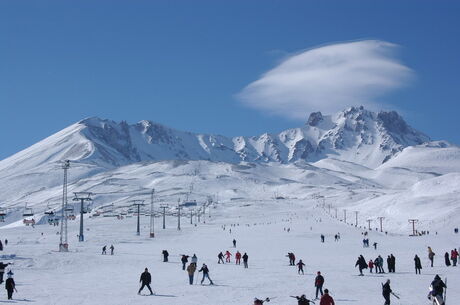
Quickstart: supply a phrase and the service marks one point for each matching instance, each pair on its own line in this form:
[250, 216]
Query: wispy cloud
[328, 78]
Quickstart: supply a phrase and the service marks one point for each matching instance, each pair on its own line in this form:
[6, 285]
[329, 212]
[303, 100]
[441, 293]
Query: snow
[84, 276]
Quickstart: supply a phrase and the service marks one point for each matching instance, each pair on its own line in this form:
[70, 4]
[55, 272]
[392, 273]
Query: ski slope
[84, 276]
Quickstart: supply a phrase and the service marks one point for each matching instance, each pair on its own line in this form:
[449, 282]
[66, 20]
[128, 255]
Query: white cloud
[329, 79]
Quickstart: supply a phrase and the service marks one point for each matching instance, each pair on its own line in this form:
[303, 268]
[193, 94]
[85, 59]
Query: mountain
[356, 158]
[355, 135]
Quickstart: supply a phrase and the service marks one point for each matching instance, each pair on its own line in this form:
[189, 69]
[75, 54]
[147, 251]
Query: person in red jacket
[238, 257]
[227, 256]
[326, 299]
[454, 256]
[371, 265]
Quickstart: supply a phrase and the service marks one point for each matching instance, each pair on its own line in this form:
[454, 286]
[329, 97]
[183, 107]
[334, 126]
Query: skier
[104, 250]
[6, 242]
[322, 238]
[431, 255]
[454, 257]
[191, 272]
[194, 259]
[111, 249]
[245, 260]
[165, 255]
[319, 281]
[2, 270]
[238, 257]
[446, 258]
[361, 263]
[220, 256]
[145, 279]
[234, 243]
[437, 290]
[300, 265]
[291, 258]
[386, 291]
[326, 299]
[418, 264]
[375, 245]
[389, 264]
[302, 300]
[1, 246]
[184, 260]
[227, 256]
[371, 265]
[10, 285]
[205, 271]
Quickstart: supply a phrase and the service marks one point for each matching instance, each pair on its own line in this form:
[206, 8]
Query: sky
[225, 67]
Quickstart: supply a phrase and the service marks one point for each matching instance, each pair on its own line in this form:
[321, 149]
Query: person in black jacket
[220, 256]
[10, 285]
[205, 271]
[146, 279]
[418, 264]
[438, 286]
[165, 256]
[319, 282]
[184, 261]
[386, 291]
[302, 300]
[245, 260]
[361, 263]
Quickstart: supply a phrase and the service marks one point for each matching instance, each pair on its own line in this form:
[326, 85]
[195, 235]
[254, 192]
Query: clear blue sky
[181, 63]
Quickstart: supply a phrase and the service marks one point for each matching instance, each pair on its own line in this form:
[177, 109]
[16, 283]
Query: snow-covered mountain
[355, 135]
[356, 158]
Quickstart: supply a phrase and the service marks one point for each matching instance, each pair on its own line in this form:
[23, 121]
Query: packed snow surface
[84, 276]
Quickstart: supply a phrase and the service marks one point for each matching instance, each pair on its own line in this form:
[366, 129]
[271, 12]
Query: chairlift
[28, 212]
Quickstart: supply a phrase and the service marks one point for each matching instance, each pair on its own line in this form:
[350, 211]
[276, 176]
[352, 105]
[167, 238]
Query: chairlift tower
[164, 206]
[82, 197]
[369, 223]
[138, 203]
[63, 242]
[152, 217]
[356, 218]
[381, 218]
[178, 214]
[413, 222]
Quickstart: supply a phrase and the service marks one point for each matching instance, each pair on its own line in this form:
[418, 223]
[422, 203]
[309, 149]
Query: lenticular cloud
[328, 78]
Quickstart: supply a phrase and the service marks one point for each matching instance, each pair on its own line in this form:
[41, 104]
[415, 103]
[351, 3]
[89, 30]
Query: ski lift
[28, 212]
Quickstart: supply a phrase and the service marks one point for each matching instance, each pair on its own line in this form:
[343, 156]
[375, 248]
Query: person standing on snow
[111, 249]
[431, 255]
[319, 281]
[191, 272]
[375, 246]
[205, 271]
[454, 257]
[300, 265]
[184, 260]
[245, 260]
[10, 285]
[145, 279]
[370, 265]
[104, 250]
[386, 291]
[326, 299]
[238, 257]
[393, 263]
[227, 256]
[418, 264]
[234, 243]
[165, 256]
[220, 256]
[194, 259]
[446, 258]
[437, 286]
[361, 263]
